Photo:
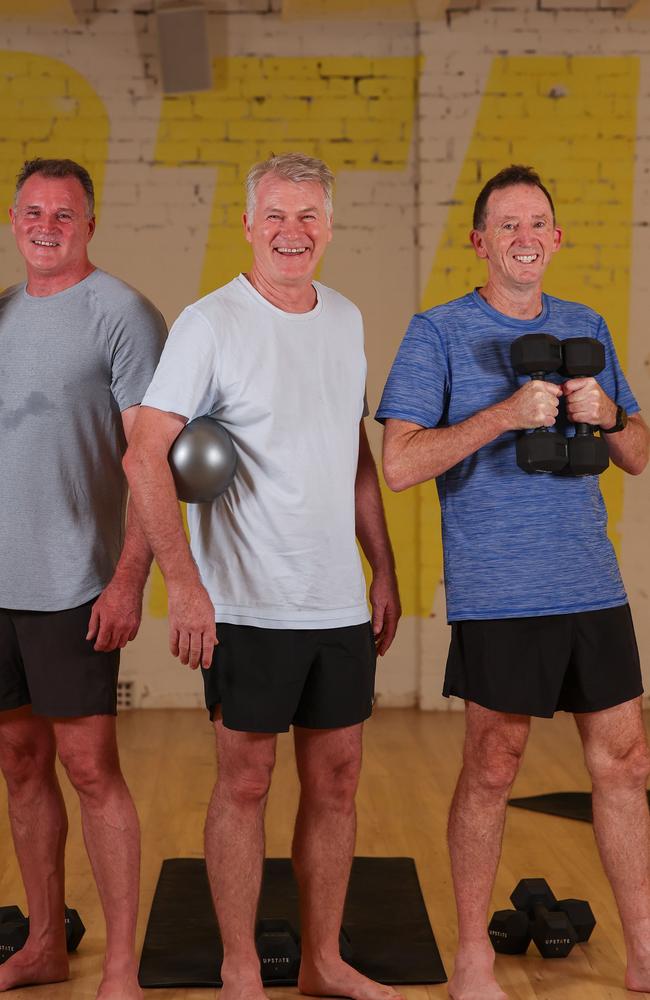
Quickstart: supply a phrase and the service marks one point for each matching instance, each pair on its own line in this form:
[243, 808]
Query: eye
[540, 224]
[274, 215]
[508, 225]
[32, 211]
[309, 218]
[64, 216]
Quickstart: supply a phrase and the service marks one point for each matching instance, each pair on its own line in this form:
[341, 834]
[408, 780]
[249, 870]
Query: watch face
[621, 421]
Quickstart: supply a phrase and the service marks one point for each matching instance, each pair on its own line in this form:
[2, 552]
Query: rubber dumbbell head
[510, 932]
[74, 929]
[581, 917]
[278, 947]
[14, 928]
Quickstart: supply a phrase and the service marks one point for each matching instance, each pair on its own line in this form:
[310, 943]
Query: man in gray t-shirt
[77, 351]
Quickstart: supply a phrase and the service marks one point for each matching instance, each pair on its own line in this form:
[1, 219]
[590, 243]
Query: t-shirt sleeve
[612, 379]
[136, 341]
[186, 379]
[418, 384]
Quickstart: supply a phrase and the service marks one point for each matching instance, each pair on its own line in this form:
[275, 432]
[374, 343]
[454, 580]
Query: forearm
[158, 513]
[370, 520]
[136, 555]
[629, 448]
[415, 454]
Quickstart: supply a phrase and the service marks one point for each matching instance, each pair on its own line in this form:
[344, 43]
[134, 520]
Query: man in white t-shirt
[278, 359]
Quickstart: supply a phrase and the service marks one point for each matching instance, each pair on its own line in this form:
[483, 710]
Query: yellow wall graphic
[47, 109]
[30, 10]
[375, 9]
[574, 120]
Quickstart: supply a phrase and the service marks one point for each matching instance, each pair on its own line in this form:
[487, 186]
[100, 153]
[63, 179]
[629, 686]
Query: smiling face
[519, 237]
[289, 231]
[52, 229]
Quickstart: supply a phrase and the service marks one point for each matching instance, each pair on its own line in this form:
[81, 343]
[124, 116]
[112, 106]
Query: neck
[525, 303]
[41, 285]
[289, 298]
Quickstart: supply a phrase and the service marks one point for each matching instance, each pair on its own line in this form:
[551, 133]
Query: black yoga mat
[570, 805]
[385, 919]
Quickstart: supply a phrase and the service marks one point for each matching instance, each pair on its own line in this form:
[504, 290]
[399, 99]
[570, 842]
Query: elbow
[395, 476]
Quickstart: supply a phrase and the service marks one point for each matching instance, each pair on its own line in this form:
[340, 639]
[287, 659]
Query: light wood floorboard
[411, 764]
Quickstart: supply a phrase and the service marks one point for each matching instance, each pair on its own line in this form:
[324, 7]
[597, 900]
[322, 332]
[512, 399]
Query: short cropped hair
[58, 169]
[508, 177]
[296, 167]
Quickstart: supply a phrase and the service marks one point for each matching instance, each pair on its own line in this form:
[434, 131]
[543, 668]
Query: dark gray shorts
[266, 679]
[47, 662]
[582, 662]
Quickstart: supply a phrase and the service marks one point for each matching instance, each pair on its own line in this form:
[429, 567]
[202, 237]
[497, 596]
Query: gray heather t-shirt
[69, 364]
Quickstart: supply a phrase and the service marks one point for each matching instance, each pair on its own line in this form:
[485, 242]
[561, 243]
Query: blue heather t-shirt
[514, 544]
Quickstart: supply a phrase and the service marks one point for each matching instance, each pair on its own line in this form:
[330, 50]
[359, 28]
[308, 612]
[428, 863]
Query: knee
[89, 775]
[247, 784]
[335, 786]
[25, 764]
[494, 765]
[625, 767]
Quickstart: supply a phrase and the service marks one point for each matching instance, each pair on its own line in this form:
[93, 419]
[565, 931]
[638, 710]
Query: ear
[12, 217]
[558, 236]
[476, 239]
[330, 224]
[247, 227]
[92, 225]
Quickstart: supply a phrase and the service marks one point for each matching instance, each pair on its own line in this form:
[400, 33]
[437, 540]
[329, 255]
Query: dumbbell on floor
[14, 929]
[544, 449]
[278, 947]
[554, 925]
[588, 454]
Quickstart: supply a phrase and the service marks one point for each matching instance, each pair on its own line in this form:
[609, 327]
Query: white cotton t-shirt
[277, 549]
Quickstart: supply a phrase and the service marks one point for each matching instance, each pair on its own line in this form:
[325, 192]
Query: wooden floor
[411, 763]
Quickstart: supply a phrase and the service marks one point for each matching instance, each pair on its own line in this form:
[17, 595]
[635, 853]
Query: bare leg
[616, 754]
[494, 744]
[39, 826]
[88, 750]
[234, 852]
[329, 761]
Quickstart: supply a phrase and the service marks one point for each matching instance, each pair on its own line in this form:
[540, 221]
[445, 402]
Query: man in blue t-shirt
[539, 615]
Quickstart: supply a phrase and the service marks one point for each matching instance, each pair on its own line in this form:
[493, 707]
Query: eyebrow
[282, 211]
[60, 208]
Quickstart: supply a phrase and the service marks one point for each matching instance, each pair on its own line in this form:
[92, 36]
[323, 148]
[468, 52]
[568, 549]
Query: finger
[184, 647]
[93, 623]
[104, 642]
[209, 642]
[174, 641]
[378, 616]
[196, 647]
[388, 636]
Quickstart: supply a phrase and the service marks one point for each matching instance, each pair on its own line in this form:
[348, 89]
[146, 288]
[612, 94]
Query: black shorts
[582, 662]
[266, 679]
[46, 661]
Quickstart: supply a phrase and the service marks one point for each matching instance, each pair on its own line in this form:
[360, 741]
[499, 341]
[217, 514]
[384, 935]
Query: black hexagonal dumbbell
[14, 928]
[588, 454]
[278, 947]
[551, 929]
[581, 917]
[544, 449]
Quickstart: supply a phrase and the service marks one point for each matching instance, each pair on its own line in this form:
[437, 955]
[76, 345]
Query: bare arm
[415, 454]
[117, 612]
[191, 612]
[373, 536]
[587, 403]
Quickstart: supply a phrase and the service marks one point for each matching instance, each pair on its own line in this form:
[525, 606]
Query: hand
[386, 609]
[535, 404]
[587, 403]
[116, 615]
[192, 631]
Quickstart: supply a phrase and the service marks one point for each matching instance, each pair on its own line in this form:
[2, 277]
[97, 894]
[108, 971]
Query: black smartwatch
[621, 422]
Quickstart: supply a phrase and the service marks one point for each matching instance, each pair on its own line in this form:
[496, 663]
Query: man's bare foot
[33, 966]
[241, 983]
[120, 986]
[473, 977]
[338, 979]
[637, 977]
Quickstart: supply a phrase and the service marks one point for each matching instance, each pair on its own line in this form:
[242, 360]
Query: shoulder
[332, 299]
[572, 312]
[447, 314]
[119, 299]
[11, 293]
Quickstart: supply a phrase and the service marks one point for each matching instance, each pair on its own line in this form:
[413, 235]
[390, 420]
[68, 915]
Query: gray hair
[58, 169]
[296, 167]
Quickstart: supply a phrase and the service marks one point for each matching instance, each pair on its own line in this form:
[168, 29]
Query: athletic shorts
[266, 680]
[582, 662]
[46, 661]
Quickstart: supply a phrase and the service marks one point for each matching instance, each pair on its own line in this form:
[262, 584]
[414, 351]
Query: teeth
[526, 259]
[44, 243]
[291, 249]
